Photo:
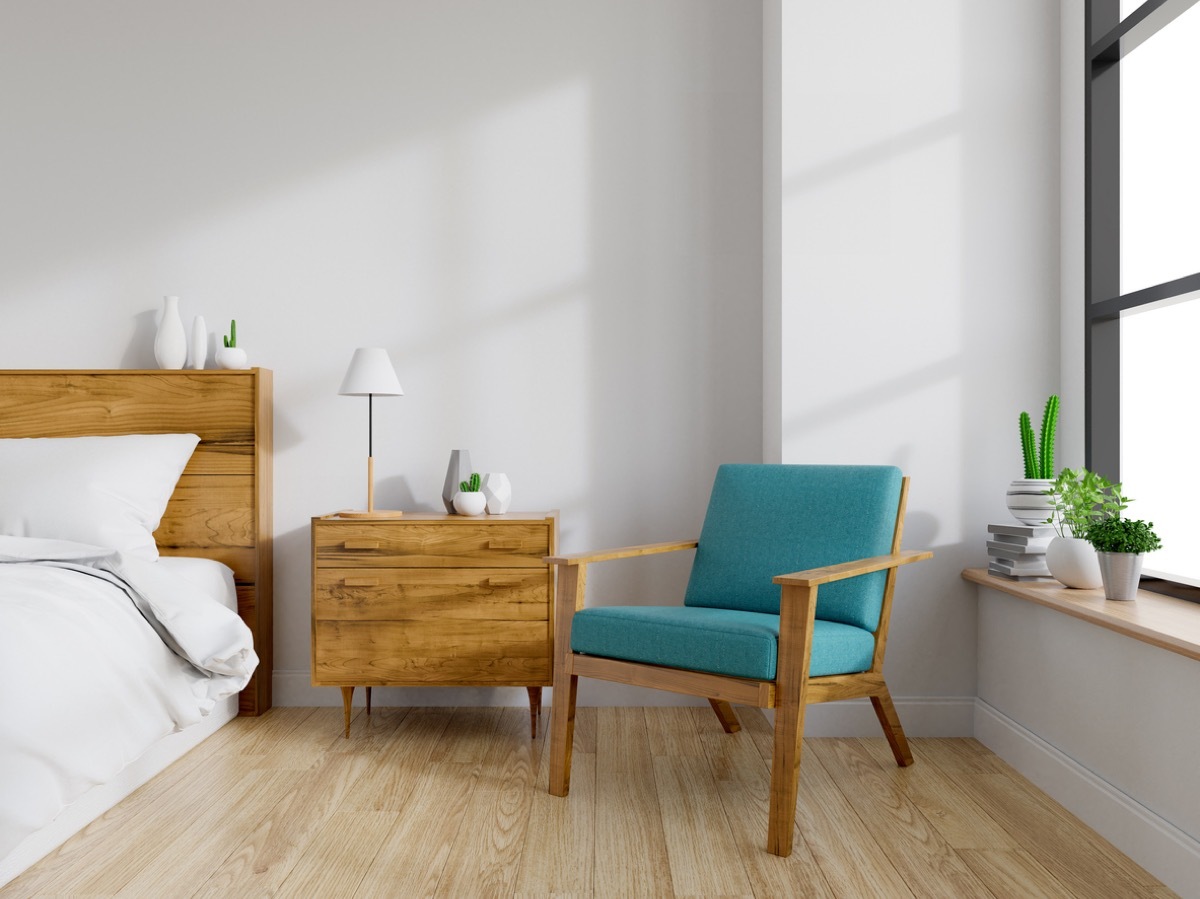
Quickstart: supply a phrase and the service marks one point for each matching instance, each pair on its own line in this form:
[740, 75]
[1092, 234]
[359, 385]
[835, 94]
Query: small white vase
[497, 491]
[199, 353]
[1073, 563]
[1028, 502]
[231, 357]
[469, 502]
[170, 342]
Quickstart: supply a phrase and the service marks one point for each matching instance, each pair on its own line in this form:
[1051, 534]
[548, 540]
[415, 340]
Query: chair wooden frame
[788, 694]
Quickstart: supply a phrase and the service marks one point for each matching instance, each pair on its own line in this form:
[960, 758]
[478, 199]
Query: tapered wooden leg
[368, 700]
[797, 610]
[885, 711]
[562, 732]
[535, 709]
[347, 702]
[726, 715]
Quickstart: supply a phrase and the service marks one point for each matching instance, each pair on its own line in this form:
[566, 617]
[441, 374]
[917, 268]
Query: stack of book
[1018, 551]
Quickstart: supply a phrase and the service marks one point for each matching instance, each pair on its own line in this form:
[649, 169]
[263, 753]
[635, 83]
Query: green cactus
[231, 340]
[471, 485]
[1027, 452]
[1046, 447]
[1039, 461]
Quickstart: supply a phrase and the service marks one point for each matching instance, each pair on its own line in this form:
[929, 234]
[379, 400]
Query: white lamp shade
[371, 372]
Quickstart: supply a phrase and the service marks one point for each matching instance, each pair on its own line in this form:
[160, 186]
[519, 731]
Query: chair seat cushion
[718, 641]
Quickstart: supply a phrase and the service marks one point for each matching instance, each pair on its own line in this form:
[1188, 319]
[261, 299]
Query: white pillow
[105, 491]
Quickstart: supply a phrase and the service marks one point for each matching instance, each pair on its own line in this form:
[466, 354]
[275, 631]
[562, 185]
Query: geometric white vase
[457, 471]
[1074, 563]
[498, 491]
[170, 341]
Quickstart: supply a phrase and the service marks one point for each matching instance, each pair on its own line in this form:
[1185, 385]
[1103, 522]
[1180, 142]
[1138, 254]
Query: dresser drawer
[424, 545]
[413, 653]
[434, 594]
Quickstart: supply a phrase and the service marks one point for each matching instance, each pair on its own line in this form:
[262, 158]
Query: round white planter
[1028, 502]
[1073, 563]
[231, 357]
[469, 503]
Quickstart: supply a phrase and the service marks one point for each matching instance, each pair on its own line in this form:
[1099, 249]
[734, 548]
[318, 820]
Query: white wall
[920, 280]
[549, 212]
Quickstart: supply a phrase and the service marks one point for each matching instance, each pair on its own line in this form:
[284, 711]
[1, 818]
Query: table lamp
[370, 374]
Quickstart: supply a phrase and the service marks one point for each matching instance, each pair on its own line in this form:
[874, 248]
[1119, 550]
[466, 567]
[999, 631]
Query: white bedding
[101, 655]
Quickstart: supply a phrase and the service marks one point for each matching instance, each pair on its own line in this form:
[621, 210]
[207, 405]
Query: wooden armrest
[816, 576]
[624, 552]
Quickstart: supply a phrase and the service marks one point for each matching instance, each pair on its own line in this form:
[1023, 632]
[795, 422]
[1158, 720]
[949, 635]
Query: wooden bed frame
[221, 508]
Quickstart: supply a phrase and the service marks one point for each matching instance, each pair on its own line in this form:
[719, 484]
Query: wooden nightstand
[433, 600]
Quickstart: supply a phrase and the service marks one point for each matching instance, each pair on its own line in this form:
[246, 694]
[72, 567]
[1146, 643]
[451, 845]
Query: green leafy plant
[1122, 535]
[231, 340]
[1039, 459]
[471, 485]
[1080, 498]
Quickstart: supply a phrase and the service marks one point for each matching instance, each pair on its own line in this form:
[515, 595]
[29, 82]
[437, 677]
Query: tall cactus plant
[471, 485]
[1039, 460]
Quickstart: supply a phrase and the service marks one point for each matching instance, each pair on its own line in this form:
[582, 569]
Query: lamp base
[373, 513]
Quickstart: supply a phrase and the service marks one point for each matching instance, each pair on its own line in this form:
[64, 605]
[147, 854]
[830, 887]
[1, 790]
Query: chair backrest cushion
[767, 520]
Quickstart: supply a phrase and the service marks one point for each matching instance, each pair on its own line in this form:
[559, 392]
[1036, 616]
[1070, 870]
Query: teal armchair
[752, 629]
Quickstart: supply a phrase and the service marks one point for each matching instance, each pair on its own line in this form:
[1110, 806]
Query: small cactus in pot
[231, 355]
[469, 500]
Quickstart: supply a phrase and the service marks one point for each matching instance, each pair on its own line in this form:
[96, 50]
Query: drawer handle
[512, 580]
[502, 543]
[360, 582]
[361, 544]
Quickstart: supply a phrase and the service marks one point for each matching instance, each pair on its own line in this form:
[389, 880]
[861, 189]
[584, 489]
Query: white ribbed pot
[1073, 563]
[1121, 573]
[1028, 502]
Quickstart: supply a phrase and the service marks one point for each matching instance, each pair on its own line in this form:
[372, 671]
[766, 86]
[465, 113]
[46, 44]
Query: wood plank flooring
[453, 802]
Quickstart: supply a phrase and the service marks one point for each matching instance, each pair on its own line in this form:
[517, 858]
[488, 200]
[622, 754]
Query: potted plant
[1078, 499]
[1027, 499]
[470, 499]
[1121, 544]
[231, 355]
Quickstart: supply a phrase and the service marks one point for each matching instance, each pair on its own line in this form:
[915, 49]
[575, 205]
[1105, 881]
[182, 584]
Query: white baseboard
[922, 716]
[1149, 839]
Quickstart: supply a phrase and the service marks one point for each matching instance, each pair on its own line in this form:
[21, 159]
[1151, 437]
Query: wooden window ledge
[1162, 621]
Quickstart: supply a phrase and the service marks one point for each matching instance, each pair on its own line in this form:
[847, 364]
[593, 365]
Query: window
[1143, 269]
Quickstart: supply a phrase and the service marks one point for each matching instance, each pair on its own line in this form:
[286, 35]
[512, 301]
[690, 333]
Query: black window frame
[1109, 41]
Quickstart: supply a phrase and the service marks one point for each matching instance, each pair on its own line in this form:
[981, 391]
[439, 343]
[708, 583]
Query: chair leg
[726, 715]
[785, 775]
[562, 733]
[885, 711]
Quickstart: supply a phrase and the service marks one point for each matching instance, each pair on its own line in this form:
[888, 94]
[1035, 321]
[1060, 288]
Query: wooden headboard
[221, 508]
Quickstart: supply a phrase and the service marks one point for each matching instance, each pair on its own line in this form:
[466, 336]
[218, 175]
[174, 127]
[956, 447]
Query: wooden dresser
[433, 600]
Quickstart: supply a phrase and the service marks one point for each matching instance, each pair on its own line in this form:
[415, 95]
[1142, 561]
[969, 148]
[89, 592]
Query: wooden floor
[453, 802]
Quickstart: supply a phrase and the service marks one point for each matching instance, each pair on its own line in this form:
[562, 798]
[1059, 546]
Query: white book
[1013, 551]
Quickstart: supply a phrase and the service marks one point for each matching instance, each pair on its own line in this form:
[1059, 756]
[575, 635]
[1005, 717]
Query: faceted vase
[457, 472]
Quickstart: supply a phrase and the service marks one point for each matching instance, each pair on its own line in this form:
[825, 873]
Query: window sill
[1162, 621]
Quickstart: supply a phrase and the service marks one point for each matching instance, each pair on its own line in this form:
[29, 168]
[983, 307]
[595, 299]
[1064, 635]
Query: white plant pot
[1122, 573]
[1073, 563]
[469, 502]
[233, 357]
[1028, 502]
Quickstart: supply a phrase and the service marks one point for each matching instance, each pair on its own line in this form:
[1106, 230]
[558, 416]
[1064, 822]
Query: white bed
[144, 713]
[135, 584]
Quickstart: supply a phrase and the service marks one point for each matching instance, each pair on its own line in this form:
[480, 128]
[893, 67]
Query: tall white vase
[170, 343]
[199, 355]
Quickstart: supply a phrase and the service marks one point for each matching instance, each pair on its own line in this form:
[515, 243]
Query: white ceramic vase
[469, 502]
[1073, 563]
[170, 342]
[199, 353]
[233, 357]
[497, 491]
[1028, 502]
